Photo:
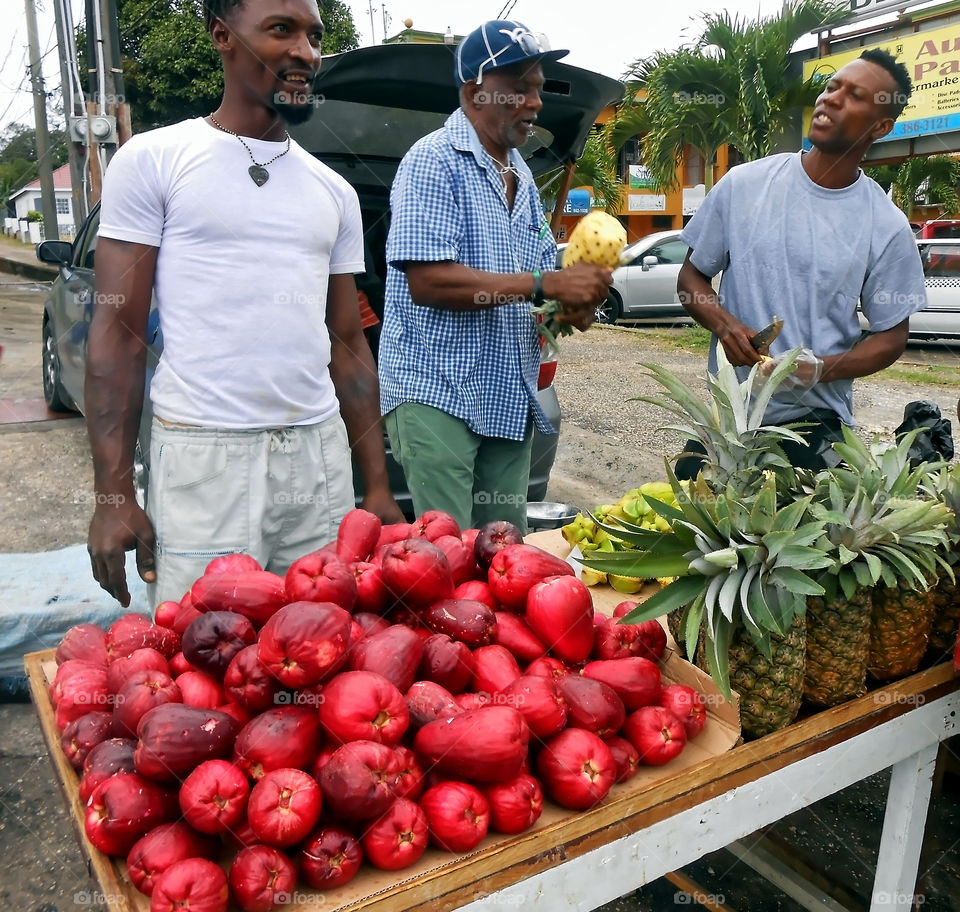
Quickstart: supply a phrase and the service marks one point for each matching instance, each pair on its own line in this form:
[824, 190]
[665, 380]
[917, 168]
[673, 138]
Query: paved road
[44, 475]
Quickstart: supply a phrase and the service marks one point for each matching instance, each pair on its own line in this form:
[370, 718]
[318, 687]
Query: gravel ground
[609, 443]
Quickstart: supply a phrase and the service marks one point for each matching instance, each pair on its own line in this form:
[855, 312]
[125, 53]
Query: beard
[293, 113]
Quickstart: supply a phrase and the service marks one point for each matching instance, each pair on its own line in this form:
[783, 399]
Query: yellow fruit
[625, 584]
[597, 238]
[592, 577]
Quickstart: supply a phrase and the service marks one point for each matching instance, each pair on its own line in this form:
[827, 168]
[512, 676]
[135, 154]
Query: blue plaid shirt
[449, 203]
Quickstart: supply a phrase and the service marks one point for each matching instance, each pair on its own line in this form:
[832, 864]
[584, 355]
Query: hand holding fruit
[579, 288]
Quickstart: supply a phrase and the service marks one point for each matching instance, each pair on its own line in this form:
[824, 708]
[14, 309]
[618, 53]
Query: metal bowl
[544, 514]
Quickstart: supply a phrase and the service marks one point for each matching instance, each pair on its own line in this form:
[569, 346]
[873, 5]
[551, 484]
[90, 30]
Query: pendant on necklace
[258, 174]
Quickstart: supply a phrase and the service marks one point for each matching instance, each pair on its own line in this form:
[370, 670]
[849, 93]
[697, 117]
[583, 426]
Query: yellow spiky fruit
[597, 238]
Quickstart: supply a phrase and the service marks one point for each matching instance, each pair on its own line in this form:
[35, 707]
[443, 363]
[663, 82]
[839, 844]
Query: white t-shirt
[242, 271]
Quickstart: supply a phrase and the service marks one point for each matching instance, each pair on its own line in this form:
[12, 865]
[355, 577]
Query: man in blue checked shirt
[469, 251]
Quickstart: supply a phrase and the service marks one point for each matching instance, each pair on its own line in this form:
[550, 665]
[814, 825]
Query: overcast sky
[603, 35]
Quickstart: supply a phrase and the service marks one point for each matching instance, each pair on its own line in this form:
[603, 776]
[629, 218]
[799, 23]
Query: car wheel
[53, 392]
[608, 311]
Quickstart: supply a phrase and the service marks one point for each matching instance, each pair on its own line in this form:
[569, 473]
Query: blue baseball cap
[499, 43]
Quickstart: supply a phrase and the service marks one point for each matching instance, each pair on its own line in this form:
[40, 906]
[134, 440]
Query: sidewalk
[21, 259]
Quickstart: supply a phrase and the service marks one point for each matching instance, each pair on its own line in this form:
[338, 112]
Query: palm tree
[596, 167]
[936, 177]
[733, 85]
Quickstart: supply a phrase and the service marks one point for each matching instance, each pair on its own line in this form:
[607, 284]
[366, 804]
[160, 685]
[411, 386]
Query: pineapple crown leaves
[730, 424]
[877, 525]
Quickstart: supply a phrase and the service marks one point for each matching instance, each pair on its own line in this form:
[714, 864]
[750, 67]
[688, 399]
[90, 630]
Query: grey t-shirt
[791, 248]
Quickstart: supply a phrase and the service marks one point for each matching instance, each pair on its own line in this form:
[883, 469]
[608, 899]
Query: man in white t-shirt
[808, 237]
[266, 380]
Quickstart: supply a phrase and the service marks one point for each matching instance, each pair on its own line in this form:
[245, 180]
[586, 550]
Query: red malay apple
[516, 805]
[321, 577]
[397, 839]
[688, 705]
[330, 858]
[214, 796]
[560, 613]
[363, 706]
[494, 537]
[359, 779]
[284, 806]
[304, 642]
[153, 853]
[458, 815]
[657, 734]
[357, 535]
[416, 573]
[576, 768]
[262, 878]
[195, 884]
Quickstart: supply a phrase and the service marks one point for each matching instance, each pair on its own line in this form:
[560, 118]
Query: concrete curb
[36, 272]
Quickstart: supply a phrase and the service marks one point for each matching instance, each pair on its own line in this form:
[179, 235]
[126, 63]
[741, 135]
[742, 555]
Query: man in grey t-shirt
[807, 237]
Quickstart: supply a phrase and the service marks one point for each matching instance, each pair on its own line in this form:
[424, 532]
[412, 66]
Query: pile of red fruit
[405, 685]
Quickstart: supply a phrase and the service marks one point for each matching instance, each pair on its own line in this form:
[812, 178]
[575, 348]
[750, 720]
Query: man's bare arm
[113, 397]
[355, 379]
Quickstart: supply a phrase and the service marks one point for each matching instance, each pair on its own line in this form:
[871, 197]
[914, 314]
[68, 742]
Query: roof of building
[61, 181]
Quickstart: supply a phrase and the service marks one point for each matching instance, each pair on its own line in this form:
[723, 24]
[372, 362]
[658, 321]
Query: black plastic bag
[935, 441]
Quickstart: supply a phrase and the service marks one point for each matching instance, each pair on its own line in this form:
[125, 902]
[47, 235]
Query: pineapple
[749, 544]
[748, 567]
[901, 621]
[597, 238]
[946, 593]
[888, 538]
[838, 646]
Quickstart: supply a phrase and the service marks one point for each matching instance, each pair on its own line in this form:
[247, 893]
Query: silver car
[940, 319]
[646, 285]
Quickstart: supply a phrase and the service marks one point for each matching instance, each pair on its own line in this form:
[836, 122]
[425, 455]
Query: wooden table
[580, 861]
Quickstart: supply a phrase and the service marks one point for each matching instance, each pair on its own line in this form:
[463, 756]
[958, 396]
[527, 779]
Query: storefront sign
[577, 203]
[646, 202]
[933, 60]
[641, 178]
[870, 9]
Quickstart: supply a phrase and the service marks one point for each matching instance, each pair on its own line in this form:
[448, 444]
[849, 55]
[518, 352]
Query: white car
[646, 285]
[940, 319]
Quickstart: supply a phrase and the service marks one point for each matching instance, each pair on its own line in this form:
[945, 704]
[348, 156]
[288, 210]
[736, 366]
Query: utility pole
[47, 195]
[72, 106]
[116, 100]
[95, 90]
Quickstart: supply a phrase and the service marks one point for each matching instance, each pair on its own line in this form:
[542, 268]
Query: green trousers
[448, 467]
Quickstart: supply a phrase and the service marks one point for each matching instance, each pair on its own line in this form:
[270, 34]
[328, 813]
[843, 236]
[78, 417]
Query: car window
[669, 252]
[941, 260]
[88, 242]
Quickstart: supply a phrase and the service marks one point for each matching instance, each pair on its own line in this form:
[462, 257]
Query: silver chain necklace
[258, 172]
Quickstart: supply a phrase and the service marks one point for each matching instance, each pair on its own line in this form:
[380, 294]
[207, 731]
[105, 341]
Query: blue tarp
[44, 594]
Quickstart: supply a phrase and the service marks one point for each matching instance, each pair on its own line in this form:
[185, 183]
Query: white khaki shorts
[273, 494]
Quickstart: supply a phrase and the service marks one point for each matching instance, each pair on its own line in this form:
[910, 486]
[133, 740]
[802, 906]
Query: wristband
[537, 296]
